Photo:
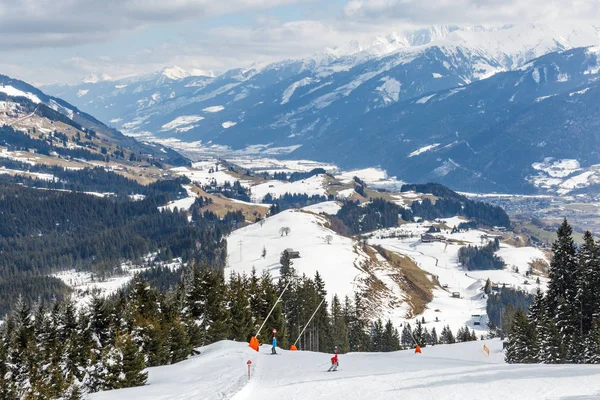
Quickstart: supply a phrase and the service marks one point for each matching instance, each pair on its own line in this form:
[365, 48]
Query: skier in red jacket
[334, 363]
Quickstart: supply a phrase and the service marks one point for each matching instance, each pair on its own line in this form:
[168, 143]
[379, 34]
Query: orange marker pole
[249, 363]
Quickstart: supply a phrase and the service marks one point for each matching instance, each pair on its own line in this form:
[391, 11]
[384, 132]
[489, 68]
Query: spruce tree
[588, 278]
[100, 320]
[322, 319]
[358, 328]
[239, 309]
[518, 349]
[563, 268]
[433, 337]
[377, 336]
[418, 334]
[339, 332]
[406, 337]
[133, 364]
[390, 338]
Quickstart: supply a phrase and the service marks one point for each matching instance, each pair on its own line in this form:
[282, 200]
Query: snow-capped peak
[94, 78]
[174, 73]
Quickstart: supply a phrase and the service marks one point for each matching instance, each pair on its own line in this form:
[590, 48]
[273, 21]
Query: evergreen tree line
[502, 305]
[45, 231]
[230, 190]
[562, 325]
[376, 214]
[95, 179]
[451, 203]
[294, 176]
[422, 337]
[476, 258]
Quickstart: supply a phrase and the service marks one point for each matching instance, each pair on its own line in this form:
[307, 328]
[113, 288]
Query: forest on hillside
[43, 231]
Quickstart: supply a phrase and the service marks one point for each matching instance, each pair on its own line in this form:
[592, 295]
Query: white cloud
[59, 23]
[36, 27]
[472, 11]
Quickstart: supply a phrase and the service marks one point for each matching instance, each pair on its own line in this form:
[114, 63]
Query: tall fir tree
[239, 309]
[339, 331]
[563, 269]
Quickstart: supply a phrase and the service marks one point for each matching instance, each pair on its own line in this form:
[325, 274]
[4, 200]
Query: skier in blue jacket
[274, 345]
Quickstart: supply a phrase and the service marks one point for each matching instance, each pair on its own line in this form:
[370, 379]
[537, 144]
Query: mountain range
[475, 108]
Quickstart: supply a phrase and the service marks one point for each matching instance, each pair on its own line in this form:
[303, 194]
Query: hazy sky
[52, 41]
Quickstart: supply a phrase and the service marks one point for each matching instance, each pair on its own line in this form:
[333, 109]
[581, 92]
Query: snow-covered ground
[182, 204]
[458, 372]
[373, 177]
[85, 284]
[338, 263]
[274, 165]
[440, 259]
[327, 207]
[315, 185]
[200, 173]
[335, 261]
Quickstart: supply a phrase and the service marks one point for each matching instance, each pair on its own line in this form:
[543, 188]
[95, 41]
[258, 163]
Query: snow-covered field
[200, 172]
[440, 259]
[182, 204]
[338, 263]
[315, 185]
[335, 261]
[327, 207]
[374, 177]
[274, 165]
[458, 372]
[85, 284]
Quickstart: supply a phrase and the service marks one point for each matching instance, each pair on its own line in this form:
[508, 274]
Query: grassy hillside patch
[417, 284]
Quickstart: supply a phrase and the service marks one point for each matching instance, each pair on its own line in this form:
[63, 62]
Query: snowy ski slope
[446, 372]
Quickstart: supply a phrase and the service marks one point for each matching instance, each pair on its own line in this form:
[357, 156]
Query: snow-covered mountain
[16, 94]
[338, 98]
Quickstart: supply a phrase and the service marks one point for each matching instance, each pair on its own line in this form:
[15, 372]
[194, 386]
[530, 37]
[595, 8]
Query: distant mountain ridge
[19, 91]
[327, 106]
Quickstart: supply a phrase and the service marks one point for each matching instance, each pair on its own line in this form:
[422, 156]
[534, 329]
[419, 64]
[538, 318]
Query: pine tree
[339, 332]
[100, 320]
[418, 334]
[390, 338]
[377, 336]
[552, 349]
[180, 347]
[357, 330]
[588, 274]
[591, 353]
[406, 336]
[286, 269]
[433, 337]
[239, 309]
[488, 287]
[322, 319]
[520, 341]
[447, 337]
[215, 314]
[133, 364]
[563, 268]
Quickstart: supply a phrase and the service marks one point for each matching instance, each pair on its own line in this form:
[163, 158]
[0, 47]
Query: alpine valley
[401, 203]
[480, 109]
